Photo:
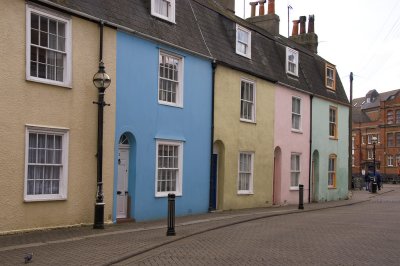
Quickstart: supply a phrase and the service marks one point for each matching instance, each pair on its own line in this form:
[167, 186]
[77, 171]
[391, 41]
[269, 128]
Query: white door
[122, 184]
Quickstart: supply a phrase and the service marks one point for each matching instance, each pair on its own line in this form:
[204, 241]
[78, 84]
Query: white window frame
[179, 90]
[249, 172]
[67, 62]
[294, 114]
[238, 42]
[178, 185]
[295, 171]
[292, 53]
[370, 154]
[171, 11]
[389, 160]
[63, 179]
[248, 101]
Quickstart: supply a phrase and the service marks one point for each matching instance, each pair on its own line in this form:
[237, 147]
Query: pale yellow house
[48, 124]
[243, 139]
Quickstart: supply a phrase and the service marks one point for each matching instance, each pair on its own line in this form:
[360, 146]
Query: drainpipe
[350, 133]
[310, 156]
[210, 203]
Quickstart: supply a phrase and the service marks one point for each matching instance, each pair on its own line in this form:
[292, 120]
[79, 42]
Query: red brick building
[376, 115]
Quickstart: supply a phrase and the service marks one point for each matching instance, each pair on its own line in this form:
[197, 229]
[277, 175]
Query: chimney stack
[268, 22]
[228, 5]
[271, 7]
[295, 30]
[311, 24]
[253, 8]
[261, 12]
[309, 40]
[303, 20]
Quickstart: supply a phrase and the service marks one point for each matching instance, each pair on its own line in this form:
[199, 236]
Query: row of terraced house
[225, 113]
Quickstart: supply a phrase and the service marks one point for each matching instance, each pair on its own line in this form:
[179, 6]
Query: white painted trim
[180, 92]
[300, 129]
[250, 191]
[171, 18]
[254, 102]
[248, 54]
[63, 185]
[179, 180]
[290, 51]
[68, 46]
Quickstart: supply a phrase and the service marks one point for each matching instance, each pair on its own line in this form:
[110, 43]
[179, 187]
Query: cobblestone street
[361, 231]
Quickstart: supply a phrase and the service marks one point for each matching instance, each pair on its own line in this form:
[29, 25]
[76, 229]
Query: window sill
[38, 199]
[244, 193]
[294, 188]
[331, 187]
[297, 131]
[170, 104]
[248, 121]
[333, 138]
[50, 82]
[165, 194]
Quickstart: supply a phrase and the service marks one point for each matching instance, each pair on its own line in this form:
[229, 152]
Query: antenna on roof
[288, 15]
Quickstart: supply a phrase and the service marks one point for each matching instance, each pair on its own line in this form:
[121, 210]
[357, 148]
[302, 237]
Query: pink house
[292, 145]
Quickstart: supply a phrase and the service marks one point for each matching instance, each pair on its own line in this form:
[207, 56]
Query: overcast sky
[359, 36]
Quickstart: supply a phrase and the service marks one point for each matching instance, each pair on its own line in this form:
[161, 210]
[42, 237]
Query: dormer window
[243, 41]
[164, 9]
[292, 61]
[330, 77]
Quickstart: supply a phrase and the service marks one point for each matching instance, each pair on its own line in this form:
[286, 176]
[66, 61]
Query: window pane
[34, 21]
[35, 36]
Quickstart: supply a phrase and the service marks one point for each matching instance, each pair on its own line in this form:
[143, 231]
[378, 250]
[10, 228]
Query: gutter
[113, 25]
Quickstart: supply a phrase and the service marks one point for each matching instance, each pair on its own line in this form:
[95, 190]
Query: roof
[205, 28]
[373, 99]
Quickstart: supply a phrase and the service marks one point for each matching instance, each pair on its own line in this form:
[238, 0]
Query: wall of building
[326, 146]
[140, 115]
[234, 136]
[290, 141]
[26, 102]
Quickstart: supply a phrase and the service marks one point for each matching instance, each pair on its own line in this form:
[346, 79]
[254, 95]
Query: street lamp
[101, 81]
[374, 141]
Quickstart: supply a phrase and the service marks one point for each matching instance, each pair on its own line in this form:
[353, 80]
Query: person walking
[367, 178]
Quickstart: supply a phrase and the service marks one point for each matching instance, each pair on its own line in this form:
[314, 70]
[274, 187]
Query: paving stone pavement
[247, 237]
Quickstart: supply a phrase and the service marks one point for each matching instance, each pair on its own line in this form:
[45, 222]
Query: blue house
[163, 117]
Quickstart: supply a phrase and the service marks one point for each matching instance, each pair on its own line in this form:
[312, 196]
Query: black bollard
[171, 215]
[301, 189]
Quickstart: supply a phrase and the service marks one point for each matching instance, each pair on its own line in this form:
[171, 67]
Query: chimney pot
[295, 30]
[261, 11]
[303, 24]
[253, 8]
[271, 6]
[311, 19]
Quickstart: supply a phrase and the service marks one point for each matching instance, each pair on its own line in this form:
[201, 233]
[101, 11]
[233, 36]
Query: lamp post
[374, 141]
[101, 81]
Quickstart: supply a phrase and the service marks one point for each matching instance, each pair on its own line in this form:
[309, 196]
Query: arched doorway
[315, 176]
[277, 176]
[123, 198]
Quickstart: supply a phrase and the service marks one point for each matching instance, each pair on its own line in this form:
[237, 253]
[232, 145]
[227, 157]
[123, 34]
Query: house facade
[376, 115]
[292, 133]
[163, 129]
[47, 178]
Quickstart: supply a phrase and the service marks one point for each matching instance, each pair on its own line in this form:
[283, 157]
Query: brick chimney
[309, 40]
[228, 4]
[268, 22]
